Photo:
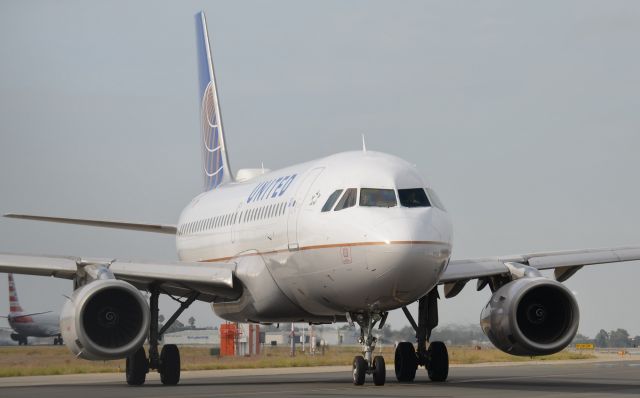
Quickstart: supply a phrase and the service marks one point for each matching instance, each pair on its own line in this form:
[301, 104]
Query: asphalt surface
[594, 379]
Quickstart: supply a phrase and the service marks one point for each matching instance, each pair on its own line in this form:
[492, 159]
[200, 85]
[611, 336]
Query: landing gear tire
[23, 341]
[406, 362]
[379, 371]
[359, 370]
[170, 365]
[137, 368]
[437, 361]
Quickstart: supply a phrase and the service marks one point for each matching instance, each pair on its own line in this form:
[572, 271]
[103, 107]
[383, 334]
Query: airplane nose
[405, 229]
[408, 258]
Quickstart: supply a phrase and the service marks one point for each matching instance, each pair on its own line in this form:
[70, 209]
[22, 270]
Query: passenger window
[435, 199]
[331, 200]
[347, 200]
[415, 197]
[372, 197]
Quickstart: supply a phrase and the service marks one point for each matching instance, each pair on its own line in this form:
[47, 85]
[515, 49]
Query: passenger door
[295, 206]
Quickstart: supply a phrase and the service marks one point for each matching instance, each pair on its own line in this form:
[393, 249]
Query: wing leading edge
[214, 281]
[564, 264]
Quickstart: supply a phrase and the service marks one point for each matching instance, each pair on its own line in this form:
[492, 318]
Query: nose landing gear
[435, 358]
[367, 364]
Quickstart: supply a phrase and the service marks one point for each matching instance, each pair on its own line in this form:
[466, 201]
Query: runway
[597, 379]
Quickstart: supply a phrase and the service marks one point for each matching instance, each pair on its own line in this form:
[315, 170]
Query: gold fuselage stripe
[333, 245]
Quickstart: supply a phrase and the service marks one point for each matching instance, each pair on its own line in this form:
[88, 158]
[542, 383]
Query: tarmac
[593, 378]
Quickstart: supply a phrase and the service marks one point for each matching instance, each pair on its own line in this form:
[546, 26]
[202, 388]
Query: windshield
[371, 197]
[414, 197]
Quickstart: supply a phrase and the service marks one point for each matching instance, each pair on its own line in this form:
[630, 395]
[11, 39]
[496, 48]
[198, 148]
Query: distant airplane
[345, 238]
[36, 324]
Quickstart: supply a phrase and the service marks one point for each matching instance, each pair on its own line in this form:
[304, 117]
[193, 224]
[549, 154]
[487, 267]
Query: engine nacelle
[531, 316]
[105, 319]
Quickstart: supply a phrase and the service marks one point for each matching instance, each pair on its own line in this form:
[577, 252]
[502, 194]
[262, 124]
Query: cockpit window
[435, 199]
[331, 200]
[414, 197]
[372, 197]
[347, 200]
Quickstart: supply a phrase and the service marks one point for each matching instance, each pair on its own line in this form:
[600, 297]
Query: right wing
[160, 228]
[564, 263]
[214, 281]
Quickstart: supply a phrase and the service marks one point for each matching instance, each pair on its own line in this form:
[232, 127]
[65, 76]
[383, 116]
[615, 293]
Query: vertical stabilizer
[214, 152]
[14, 304]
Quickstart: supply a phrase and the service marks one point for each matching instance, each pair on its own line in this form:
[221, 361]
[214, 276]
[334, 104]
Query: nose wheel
[367, 364]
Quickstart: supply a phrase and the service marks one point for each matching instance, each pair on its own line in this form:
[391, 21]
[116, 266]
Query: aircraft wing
[133, 226]
[564, 264]
[214, 281]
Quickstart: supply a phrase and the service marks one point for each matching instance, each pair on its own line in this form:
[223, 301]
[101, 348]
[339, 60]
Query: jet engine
[105, 319]
[531, 316]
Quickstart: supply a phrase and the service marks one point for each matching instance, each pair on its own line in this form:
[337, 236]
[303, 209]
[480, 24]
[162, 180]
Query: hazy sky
[525, 116]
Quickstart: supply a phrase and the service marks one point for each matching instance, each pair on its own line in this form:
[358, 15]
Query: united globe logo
[211, 139]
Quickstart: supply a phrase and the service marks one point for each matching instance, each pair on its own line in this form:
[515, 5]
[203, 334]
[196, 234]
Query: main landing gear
[167, 361]
[435, 358]
[368, 364]
[58, 340]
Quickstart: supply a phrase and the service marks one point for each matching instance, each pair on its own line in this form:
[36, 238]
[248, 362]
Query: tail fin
[14, 304]
[216, 164]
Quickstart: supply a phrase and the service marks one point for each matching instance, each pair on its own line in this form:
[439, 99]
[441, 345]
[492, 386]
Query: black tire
[406, 362]
[438, 361]
[137, 367]
[170, 365]
[379, 371]
[359, 370]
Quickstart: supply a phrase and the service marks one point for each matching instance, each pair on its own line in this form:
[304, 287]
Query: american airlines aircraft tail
[37, 324]
[344, 238]
[14, 303]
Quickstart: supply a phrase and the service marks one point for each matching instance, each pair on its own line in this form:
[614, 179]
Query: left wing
[564, 264]
[133, 226]
[212, 280]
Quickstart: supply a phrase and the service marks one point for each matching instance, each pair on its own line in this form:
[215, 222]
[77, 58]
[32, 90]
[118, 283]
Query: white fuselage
[297, 262]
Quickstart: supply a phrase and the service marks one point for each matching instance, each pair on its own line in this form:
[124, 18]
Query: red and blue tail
[14, 304]
[214, 153]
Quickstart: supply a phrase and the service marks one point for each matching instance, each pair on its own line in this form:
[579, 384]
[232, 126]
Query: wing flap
[133, 226]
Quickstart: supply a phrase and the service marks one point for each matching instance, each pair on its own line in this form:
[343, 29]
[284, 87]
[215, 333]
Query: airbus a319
[345, 238]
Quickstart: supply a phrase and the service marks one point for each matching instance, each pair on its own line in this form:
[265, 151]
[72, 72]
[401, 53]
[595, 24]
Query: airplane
[36, 324]
[344, 238]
